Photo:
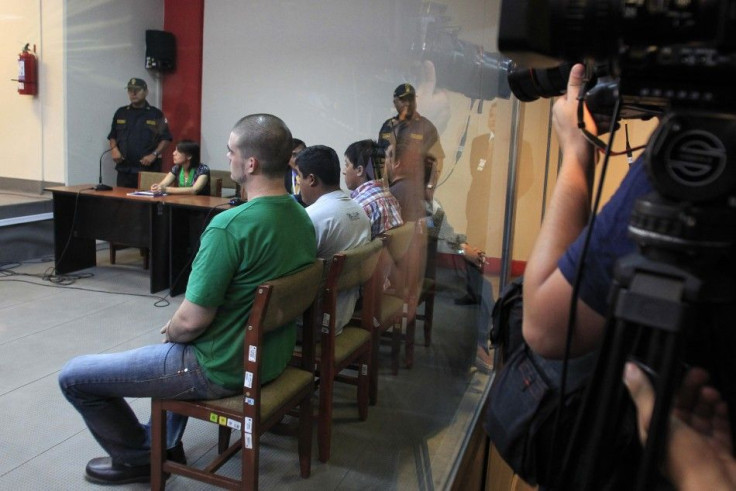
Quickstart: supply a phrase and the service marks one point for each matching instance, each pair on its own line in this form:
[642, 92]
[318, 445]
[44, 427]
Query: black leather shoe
[103, 470]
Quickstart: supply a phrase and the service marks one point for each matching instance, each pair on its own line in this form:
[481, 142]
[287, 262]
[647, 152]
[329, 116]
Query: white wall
[105, 46]
[86, 52]
[32, 150]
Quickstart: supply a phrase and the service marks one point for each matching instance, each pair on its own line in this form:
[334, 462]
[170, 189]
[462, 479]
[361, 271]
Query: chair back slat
[358, 264]
[146, 179]
[290, 296]
[399, 240]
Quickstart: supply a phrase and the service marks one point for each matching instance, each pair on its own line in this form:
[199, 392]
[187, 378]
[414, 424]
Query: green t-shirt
[241, 248]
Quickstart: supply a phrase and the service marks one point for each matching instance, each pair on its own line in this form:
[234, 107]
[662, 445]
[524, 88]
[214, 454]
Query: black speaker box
[160, 50]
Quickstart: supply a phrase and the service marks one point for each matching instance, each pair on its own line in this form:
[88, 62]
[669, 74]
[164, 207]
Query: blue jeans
[96, 386]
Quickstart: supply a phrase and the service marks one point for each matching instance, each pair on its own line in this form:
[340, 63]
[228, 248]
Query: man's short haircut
[296, 143]
[191, 148]
[268, 139]
[322, 161]
[362, 153]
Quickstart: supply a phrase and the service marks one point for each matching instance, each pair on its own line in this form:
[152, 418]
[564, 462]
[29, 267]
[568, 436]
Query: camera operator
[551, 266]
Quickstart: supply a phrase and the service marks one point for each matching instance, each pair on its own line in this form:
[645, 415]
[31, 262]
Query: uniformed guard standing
[138, 135]
[408, 123]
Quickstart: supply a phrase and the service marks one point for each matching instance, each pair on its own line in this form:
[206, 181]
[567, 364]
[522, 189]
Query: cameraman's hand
[565, 118]
[699, 444]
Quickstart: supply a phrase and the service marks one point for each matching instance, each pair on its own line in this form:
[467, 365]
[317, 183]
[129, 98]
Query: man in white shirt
[339, 222]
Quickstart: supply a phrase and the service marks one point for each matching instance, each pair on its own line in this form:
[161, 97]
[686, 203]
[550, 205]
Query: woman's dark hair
[363, 153]
[191, 148]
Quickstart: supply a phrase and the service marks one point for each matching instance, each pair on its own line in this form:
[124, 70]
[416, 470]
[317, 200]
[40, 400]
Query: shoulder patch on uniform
[151, 122]
[417, 136]
[119, 121]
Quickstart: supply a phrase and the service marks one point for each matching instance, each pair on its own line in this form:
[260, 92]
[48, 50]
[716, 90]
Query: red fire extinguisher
[27, 71]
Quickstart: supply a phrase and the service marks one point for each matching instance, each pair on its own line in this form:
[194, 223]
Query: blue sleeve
[609, 241]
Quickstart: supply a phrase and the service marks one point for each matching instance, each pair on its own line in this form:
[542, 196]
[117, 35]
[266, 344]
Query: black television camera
[673, 58]
[676, 59]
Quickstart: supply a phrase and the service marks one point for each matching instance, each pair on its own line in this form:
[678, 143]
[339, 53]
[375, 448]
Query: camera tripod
[673, 304]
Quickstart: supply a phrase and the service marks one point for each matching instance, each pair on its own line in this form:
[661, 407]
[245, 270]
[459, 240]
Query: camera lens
[529, 84]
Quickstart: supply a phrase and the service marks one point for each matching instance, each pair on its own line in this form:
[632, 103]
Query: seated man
[202, 356]
[339, 222]
[379, 204]
[291, 177]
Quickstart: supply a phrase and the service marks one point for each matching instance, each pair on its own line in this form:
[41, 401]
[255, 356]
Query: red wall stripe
[182, 88]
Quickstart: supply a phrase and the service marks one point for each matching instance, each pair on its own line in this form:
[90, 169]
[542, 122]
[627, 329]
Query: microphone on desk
[100, 186]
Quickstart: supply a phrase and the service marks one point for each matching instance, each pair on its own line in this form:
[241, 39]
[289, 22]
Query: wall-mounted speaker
[160, 50]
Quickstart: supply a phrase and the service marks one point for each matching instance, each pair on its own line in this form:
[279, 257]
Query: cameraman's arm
[546, 291]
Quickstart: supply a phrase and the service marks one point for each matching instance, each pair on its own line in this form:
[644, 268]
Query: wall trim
[26, 185]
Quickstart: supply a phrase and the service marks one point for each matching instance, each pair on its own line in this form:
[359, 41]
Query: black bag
[506, 320]
[523, 400]
[522, 407]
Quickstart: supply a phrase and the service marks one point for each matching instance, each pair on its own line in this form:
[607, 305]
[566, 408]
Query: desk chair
[415, 273]
[145, 180]
[215, 186]
[429, 289]
[348, 269]
[227, 181]
[390, 303]
[258, 408]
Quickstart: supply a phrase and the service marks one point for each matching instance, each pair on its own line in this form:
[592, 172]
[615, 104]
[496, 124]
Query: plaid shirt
[382, 208]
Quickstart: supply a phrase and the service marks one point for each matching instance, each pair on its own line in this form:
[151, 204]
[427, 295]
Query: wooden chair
[216, 186]
[348, 269]
[389, 305]
[227, 182]
[258, 408]
[145, 180]
[429, 289]
[415, 263]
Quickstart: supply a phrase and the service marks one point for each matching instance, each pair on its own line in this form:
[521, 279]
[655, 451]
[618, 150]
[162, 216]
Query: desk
[138, 221]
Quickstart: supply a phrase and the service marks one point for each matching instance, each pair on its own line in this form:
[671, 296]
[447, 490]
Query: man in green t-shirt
[202, 356]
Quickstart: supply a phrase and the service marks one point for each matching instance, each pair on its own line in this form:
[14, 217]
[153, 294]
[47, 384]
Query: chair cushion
[350, 340]
[273, 395]
[390, 307]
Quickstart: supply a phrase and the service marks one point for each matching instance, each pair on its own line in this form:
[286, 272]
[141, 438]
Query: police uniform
[138, 131]
[419, 129]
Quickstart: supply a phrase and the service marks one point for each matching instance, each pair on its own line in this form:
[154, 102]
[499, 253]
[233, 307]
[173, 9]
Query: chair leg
[145, 252]
[428, 317]
[158, 445]
[396, 332]
[363, 383]
[411, 325]
[305, 437]
[113, 251]
[223, 439]
[326, 384]
[373, 373]
[249, 470]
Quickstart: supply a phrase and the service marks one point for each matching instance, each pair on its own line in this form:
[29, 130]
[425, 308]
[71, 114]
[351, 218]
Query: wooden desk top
[186, 200]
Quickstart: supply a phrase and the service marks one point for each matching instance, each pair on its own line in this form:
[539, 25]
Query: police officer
[138, 135]
[408, 123]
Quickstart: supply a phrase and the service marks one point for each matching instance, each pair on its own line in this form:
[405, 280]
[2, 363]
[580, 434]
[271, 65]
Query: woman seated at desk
[189, 175]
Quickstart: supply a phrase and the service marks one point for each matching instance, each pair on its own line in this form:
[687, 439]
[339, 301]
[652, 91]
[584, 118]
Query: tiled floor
[410, 440]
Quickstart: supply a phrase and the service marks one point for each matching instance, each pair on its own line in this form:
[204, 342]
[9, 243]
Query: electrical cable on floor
[7, 273]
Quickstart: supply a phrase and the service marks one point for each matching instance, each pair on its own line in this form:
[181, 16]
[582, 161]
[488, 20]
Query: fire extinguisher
[27, 71]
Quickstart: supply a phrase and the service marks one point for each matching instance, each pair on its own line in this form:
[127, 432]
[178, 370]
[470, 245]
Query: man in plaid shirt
[363, 180]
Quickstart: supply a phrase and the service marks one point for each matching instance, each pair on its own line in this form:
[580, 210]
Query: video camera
[650, 54]
[655, 57]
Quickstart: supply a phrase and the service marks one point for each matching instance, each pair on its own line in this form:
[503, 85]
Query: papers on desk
[146, 193]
